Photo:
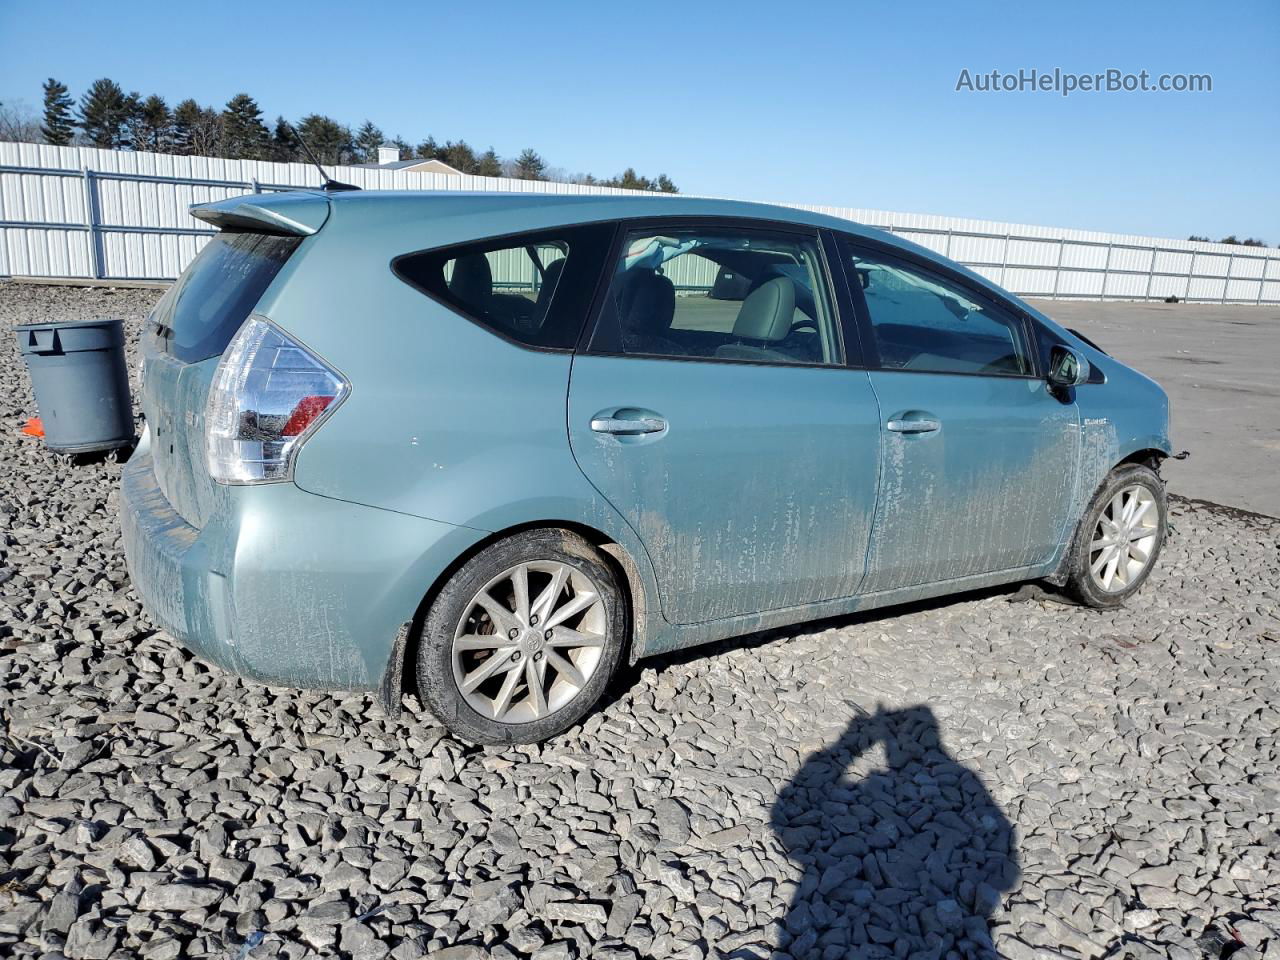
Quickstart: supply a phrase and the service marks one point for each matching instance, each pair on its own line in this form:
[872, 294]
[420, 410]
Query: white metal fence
[79, 212]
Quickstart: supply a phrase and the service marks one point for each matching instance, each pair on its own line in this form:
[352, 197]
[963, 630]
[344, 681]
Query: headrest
[550, 277]
[767, 312]
[552, 273]
[648, 302]
[472, 280]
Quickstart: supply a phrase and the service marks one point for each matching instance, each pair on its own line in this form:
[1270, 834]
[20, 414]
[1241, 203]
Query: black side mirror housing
[1067, 367]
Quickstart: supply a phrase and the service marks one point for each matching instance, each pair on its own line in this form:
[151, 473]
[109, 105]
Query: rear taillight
[267, 395]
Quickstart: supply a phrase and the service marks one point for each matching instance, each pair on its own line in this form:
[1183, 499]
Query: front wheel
[522, 640]
[1119, 537]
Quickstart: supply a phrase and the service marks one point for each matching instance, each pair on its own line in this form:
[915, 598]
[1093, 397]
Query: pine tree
[368, 139]
[328, 139]
[284, 145]
[130, 134]
[184, 116]
[244, 135]
[153, 126]
[630, 180]
[530, 166]
[488, 165]
[460, 156]
[59, 127]
[103, 113]
[109, 118]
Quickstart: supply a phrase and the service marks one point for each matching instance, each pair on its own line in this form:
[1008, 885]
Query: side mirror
[1067, 368]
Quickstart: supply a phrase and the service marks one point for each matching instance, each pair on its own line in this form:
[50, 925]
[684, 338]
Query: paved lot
[998, 774]
[1221, 367]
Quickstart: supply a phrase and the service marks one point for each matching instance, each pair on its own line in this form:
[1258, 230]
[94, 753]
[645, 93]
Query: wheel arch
[400, 678]
[1148, 456]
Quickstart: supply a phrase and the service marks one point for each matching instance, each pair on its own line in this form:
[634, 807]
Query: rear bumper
[283, 586]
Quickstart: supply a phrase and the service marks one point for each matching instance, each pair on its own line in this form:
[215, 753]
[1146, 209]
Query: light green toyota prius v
[486, 447]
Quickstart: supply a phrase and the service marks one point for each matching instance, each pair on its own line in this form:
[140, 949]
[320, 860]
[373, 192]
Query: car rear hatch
[195, 320]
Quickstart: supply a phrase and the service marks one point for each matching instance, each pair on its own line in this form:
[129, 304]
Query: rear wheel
[1120, 537]
[523, 639]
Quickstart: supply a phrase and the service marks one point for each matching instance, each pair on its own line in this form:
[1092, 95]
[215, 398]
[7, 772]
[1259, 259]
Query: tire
[482, 645]
[1108, 581]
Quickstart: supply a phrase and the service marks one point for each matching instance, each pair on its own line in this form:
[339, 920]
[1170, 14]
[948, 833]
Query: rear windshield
[200, 314]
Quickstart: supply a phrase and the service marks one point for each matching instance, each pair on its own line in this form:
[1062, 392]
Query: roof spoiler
[293, 213]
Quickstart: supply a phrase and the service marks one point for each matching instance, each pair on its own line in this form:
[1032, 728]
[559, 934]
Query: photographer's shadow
[910, 847]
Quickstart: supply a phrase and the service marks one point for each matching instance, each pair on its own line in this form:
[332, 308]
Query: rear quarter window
[535, 289]
[202, 311]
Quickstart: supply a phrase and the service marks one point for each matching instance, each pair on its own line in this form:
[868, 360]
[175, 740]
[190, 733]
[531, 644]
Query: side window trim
[859, 350]
[602, 335]
[866, 328]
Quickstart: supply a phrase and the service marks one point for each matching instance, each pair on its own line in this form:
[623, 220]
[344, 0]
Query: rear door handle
[923, 425]
[621, 425]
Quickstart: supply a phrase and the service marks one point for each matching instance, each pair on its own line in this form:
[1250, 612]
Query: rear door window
[535, 289]
[200, 314]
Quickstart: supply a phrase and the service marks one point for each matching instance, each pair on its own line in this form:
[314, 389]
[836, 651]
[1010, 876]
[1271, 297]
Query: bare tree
[197, 129]
[18, 123]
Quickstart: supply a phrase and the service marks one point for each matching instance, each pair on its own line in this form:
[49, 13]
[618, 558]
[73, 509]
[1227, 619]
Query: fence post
[1226, 284]
[1004, 260]
[91, 222]
[1057, 271]
[1106, 272]
[1151, 273]
[1191, 272]
[947, 252]
[257, 187]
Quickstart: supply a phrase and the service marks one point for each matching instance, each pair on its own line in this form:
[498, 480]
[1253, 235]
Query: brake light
[304, 413]
[268, 394]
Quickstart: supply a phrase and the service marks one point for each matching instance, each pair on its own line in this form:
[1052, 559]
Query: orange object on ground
[34, 427]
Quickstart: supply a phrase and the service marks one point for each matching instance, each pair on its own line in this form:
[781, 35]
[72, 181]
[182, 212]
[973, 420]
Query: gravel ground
[998, 773]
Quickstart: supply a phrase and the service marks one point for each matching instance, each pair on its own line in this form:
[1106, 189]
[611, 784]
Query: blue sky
[842, 103]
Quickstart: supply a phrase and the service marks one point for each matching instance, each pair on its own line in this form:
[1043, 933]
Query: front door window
[927, 323]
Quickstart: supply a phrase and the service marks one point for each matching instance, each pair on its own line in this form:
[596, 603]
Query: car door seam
[573, 452]
[880, 468]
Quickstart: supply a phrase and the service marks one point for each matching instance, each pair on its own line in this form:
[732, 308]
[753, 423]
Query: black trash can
[81, 383]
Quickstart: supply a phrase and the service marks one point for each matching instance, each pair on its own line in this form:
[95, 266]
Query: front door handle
[923, 425]
[622, 425]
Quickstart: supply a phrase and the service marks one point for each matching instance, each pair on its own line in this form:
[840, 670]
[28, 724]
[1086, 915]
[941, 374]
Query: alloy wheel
[1124, 539]
[529, 641]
